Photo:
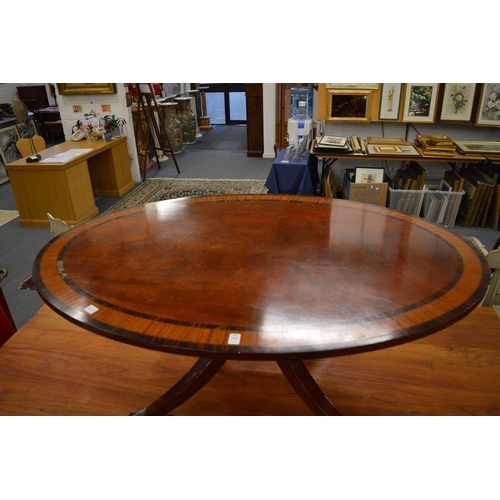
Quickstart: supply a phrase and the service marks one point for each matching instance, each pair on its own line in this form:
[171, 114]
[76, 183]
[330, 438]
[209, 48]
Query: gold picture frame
[488, 113]
[349, 105]
[86, 88]
[478, 147]
[370, 86]
[420, 102]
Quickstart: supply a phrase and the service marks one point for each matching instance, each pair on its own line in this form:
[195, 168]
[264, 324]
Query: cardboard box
[375, 194]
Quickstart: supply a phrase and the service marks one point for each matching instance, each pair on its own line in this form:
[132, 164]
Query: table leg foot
[306, 387]
[195, 379]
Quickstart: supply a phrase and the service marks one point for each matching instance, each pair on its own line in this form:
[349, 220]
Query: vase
[173, 125]
[140, 139]
[188, 120]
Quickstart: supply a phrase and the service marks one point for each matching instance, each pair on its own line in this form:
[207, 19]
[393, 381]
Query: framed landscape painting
[420, 102]
[457, 101]
[478, 147]
[370, 86]
[390, 101]
[86, 88]
[488, 113]
[349, 105]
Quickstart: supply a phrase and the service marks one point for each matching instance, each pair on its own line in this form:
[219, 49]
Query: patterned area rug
[167, 189]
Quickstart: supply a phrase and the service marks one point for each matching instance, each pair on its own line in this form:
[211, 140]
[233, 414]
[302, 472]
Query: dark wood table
[260, 277]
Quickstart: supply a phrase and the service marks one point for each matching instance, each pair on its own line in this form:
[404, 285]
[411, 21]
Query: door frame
[226, 88]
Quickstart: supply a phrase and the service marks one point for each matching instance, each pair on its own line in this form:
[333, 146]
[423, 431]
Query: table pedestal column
[204, 120]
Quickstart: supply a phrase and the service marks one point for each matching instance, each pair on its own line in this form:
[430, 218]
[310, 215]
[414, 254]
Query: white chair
[492, 296]
[57, 226]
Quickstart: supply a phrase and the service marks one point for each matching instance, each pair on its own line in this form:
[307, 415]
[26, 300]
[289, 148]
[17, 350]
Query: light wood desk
[67, 190]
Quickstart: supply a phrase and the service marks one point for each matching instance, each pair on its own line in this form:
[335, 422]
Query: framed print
[488, 113]
[369, 175]
[385, 140]
[420, 102]
[390, 101]
[386, 149]
[86, 88]
[349, 105]
[22, 130]
[368, 86]
[478, 147]
[457, 101]
[8, 149]
[3, 173]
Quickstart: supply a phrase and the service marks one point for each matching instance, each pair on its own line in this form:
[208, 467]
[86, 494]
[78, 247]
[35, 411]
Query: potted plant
[111, 125]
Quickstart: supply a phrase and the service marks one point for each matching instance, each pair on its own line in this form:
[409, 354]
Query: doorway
[226, 103]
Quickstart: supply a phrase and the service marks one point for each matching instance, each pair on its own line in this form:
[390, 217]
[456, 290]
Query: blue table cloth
[288, 177]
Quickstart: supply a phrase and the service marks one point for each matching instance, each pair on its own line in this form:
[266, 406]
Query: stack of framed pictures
[332, 144]
[479, 201]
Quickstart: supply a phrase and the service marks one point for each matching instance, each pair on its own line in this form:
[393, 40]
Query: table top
[260, 276]
[95, 146]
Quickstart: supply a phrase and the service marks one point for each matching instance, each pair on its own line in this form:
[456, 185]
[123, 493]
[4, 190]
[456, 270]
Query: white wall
[269, 103]
[93, 102]
[8, 91]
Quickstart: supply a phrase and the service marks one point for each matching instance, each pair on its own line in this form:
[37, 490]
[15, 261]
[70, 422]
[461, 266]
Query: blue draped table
[288, 177]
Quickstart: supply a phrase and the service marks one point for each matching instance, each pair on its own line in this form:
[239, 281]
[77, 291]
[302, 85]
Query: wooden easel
[147, 101]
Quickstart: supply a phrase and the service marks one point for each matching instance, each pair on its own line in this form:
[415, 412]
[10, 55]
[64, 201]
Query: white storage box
[441, 206]
[406, 201]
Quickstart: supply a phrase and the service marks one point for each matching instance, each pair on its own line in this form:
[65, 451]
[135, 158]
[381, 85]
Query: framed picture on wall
[86, 88]
[488, 113]
[8, 149]
[390, 101]
[349, 105]
[420, 102]
[457, 101]
[369, 86]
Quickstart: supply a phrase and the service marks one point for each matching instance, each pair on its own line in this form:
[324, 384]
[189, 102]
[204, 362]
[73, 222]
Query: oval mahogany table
[259, 277]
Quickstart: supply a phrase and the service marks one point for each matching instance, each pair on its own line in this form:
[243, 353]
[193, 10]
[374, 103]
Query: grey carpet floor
[221, 137]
